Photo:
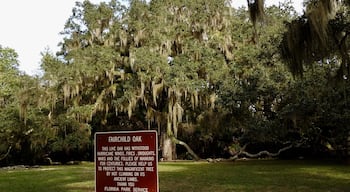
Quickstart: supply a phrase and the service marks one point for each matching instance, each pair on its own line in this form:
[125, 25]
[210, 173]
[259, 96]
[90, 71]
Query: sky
[32, 27]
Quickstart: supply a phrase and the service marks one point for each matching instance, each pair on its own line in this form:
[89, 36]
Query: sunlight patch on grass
[326, 172]
[173, 167]
[47, 169]
[83, 186]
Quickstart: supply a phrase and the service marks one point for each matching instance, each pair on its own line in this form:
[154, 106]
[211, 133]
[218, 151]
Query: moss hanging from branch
[256, 10]
[156, 90]
[294, 46]
[319, 13]
[194, 99]
[308, 39]
[212, 99]
[175, 115]
[131, 106]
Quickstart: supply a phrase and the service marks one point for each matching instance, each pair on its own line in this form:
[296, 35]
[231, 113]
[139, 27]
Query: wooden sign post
[126, 161]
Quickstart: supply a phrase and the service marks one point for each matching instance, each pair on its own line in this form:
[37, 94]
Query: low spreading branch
[270, 154]
[188, 148]
[6, 154]
[242, 152]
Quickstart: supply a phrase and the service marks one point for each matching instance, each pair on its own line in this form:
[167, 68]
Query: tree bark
[168, 148]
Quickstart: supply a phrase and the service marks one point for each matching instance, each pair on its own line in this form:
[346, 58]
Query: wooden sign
[126, 161]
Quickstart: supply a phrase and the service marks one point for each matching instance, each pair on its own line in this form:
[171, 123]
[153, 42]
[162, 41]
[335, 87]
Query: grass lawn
[193, 176]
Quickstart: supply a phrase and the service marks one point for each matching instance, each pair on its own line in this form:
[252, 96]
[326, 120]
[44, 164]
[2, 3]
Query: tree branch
[6, 154]
[189, 150]
[265, 152]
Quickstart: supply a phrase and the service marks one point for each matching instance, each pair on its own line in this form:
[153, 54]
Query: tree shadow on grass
[79, 179]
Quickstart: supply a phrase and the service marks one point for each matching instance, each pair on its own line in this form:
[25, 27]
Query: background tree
[316, 113]
[257, 81]
[9, 84]
[321, 38]
[23, 119]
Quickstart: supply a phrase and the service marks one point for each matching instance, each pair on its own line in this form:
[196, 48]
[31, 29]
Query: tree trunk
[168, 148]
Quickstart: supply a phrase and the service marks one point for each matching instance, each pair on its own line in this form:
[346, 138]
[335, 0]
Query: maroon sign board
[126, 161]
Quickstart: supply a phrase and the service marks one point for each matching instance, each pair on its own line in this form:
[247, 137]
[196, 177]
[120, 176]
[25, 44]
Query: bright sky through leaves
[31, 27]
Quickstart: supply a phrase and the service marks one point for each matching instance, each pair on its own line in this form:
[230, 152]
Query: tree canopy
[209, 78]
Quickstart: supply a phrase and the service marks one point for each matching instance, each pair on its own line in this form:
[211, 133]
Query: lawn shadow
[77, 179]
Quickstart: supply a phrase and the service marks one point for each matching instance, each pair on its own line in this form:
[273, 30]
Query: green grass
[49, 179]
[286, 176]
[254, 176]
